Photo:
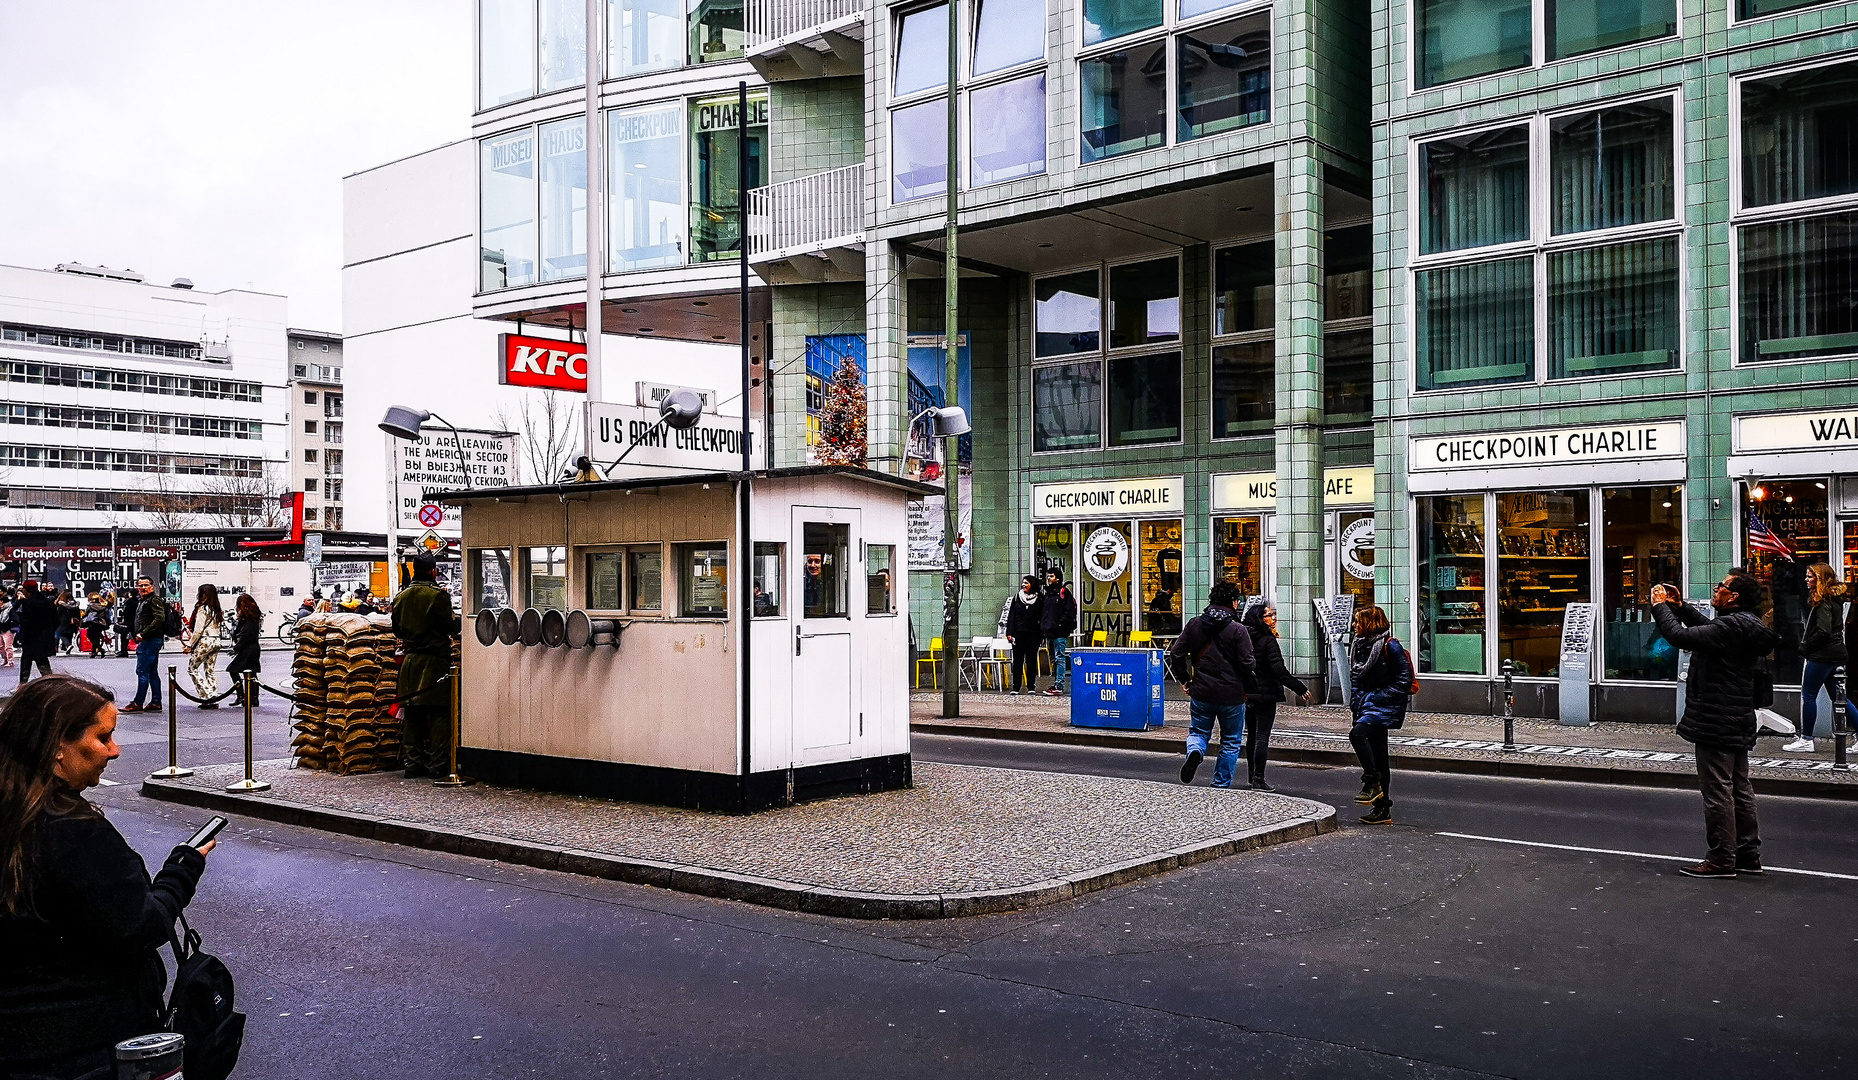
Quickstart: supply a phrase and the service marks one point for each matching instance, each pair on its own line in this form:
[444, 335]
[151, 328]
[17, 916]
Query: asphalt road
[1376, 951]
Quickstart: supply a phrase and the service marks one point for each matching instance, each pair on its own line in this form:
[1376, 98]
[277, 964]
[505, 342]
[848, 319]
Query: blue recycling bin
[1116, 688]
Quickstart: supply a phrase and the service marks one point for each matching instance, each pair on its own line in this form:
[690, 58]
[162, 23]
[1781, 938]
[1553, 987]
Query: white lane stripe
[1634, 854]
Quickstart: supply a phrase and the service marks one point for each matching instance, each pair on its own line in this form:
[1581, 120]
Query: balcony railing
[772, 20]
[807, 216]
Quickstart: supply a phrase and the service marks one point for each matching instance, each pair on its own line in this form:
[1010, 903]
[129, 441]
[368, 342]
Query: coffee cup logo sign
[1357, 548]
[1106, 554]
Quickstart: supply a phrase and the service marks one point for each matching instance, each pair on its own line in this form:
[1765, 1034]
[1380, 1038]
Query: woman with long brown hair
[80, 920]
[202, 642]
[1822, 646]
[247, 622]
[1379, 691]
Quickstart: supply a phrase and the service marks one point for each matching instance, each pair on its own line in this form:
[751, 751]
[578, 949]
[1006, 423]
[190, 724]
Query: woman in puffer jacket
[1382, 686]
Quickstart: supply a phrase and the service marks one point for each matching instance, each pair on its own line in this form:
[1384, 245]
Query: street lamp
[949, 423]
[945, 420]
[403, 423]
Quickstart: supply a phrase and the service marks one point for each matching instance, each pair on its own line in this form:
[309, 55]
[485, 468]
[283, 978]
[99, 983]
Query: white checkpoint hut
[603, 641]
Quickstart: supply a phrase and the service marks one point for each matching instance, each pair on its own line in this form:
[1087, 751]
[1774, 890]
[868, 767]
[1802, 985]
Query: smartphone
[207, 833]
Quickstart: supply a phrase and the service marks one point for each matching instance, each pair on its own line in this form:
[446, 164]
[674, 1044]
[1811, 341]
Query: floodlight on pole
[404, 423]
[945, 421]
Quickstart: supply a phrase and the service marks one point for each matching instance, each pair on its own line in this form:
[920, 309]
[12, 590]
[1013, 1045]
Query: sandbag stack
[345, 685]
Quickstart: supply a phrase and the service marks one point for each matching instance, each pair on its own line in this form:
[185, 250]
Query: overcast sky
[208, 138]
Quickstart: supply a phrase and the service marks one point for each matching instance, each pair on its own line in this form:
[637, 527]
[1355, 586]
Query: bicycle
[287, 627]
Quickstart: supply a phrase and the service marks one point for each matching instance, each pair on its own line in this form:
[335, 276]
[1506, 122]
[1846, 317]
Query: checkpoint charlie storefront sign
[1151, 497]
[1575, 444]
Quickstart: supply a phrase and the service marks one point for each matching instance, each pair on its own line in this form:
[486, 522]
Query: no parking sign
[430, 515]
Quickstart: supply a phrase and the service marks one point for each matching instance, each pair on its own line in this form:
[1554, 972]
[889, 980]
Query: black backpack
[175, 625]
[200, 1010]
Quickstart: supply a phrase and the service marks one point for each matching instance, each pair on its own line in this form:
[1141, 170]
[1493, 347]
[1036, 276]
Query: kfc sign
[543, 362]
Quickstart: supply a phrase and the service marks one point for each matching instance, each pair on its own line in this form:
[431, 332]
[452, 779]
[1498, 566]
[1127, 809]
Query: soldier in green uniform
[425, 625]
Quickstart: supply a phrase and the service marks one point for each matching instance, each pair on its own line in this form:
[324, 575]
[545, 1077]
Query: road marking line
[1634, 854]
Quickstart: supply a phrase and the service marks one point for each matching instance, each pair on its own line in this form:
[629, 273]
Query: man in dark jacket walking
[1219, 652]
[425, 625]
[37, 616]
[148, 621]
[1719, 712]
[1057, 620]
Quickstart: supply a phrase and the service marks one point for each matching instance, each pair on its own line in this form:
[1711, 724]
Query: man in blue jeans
[1057, 620]
[148, 621]
[1213, 659]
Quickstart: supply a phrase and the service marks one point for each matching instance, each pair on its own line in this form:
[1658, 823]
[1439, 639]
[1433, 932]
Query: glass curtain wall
[1799, 269]
[715, 30]
[505, 52]
[643, 35]
[561, 44]
[564, 199]
[506, 211]
[715, 177]
[645, 187]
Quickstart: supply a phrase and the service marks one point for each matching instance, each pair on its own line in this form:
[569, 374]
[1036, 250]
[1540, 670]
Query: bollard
[453, 779]
[1509, 707]
[1838, 714]
[174, 770]
[248, 689]
[150, 1057]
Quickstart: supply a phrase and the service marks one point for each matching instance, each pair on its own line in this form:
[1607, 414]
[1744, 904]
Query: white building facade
[127, 403]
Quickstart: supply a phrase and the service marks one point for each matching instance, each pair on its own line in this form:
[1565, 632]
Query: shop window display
[1793, 513]
[1449, 532]
[1544, 565]
[1161, 577]
[1051, 546]
[1238, 553]
[1641, 545]
[548, 577]
[1104, 582]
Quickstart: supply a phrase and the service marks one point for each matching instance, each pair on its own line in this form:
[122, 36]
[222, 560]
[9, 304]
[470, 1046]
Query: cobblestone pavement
[961, 829]
[1655, 747]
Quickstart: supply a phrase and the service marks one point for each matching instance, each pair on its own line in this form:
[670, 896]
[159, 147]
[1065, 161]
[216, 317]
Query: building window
[1449, 534]
[309, 397]
[1244, 379]
[1106, 19]
[1542, 539]
[309, 427]
[879, 572]
[1348, 327]
[643, 35]
[1238, 553]
[505, 51]
[1069, 314]
[770, 579]
[703, 580]
[547, 568]
[1008, 33]
[309, 455]
[1008, 130]
[507, 209]
[1245, 288]
[1614, 302]
[1797, 219]
[1474, 190]
[1143, 381]
[309, 514]
[1125, 101]
[605, 571]
[309, 485]
[1459, 39]
[561, 44]
[1224, 77]
[919, 150]
[1755, 9]
[332, 490]
[645, 174]
[1795, 512]
[1641, 545]
[716, 30]
[645, 579]
[1244, 388]
[490, 578]
[715, 176]
[922, 51]
[1348, 376]
[1584, 26]
[564, 199]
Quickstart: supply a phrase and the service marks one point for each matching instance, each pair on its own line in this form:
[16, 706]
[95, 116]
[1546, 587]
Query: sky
[208, 139]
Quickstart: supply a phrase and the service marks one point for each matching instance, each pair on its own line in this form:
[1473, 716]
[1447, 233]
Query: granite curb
[1419, 759]
[727, 885]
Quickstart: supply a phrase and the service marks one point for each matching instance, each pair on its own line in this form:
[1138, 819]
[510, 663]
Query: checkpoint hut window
[703, 580]
[548, 577]
[490, 578]
[770, 559]
[880, 589]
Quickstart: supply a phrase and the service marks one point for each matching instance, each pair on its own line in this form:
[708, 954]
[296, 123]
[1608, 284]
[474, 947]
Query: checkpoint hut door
[826, 633]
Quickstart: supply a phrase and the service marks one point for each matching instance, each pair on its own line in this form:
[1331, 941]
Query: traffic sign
[430, 515]
[432, 541]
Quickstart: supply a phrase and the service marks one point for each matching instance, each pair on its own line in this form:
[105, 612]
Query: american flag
[1761, 538]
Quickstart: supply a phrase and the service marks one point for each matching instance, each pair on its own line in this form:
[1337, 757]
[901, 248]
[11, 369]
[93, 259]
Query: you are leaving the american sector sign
[1573, 444]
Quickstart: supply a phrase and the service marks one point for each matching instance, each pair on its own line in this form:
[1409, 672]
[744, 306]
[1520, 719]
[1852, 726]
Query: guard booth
[604, 638]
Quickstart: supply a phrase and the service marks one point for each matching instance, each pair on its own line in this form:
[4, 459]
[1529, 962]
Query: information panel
[1577, 665]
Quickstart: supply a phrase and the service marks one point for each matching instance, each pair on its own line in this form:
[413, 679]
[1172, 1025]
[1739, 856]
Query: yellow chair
[1099, 638]
[934, 660]
[1141, 639]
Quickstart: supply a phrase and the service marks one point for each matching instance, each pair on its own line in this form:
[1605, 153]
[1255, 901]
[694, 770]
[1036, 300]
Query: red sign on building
[543, 362]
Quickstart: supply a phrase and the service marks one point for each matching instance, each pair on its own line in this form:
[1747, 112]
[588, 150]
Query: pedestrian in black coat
[248, 621]
[81, 923]
[38, 630]
[1261, 705]
[1212, 659]
[1024, 626]
[1719, 712]
[1057, 621]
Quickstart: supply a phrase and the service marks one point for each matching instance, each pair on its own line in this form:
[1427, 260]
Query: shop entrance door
[826, 721]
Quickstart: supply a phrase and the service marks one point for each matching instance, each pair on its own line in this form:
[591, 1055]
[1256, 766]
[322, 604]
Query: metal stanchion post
[453, 779]
[1509, 707]
[174, 770]
[249, 691]
[1839, 690]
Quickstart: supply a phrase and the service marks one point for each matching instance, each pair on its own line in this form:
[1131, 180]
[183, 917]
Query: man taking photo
[1719, 712]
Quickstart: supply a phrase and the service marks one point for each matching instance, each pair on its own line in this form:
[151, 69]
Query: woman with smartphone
[81, 922]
